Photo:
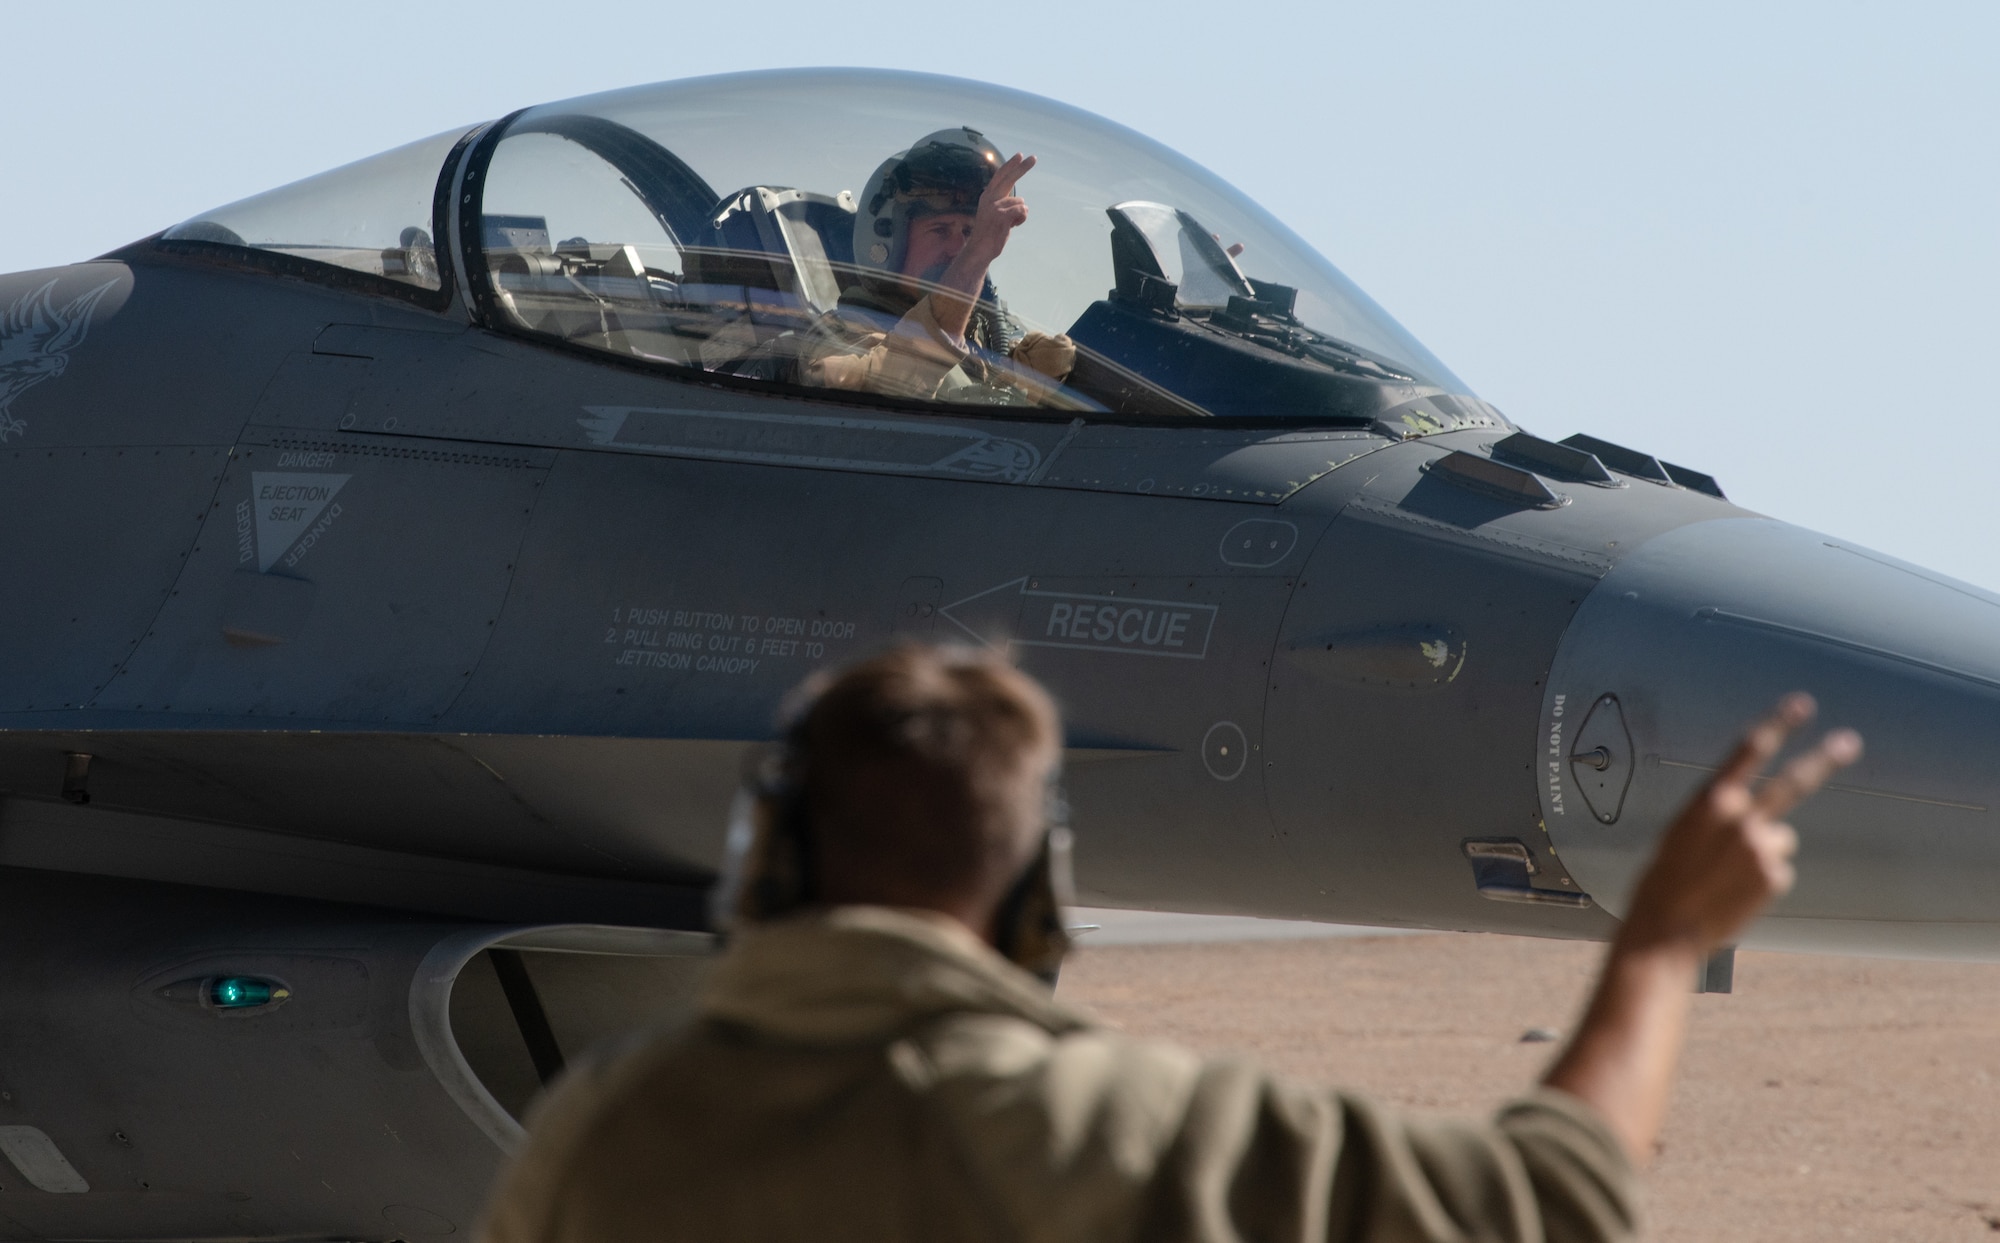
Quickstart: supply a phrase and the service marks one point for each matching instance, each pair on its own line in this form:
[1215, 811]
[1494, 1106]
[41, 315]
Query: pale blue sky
[1759, 240]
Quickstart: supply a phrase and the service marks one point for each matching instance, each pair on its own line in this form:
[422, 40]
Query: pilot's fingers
[1797, 781]
[1005, 177]
[1765, 738]
[1001, 184]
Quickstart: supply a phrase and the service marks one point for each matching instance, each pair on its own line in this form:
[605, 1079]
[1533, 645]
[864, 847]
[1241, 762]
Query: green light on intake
[241, 992]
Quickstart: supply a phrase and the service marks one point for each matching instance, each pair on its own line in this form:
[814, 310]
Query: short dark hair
[922, 773]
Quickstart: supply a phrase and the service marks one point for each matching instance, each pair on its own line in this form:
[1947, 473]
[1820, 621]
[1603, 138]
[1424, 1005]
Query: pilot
[923, 320]
[876, 1055]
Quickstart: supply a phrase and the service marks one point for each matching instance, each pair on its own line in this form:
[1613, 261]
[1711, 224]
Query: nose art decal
[35, 341]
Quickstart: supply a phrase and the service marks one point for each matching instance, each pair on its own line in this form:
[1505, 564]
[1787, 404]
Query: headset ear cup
[768, 871]
[778, 879]
[1030, 929]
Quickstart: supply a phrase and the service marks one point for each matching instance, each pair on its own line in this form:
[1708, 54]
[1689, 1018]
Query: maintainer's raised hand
[1729, 853]
[1721, 861]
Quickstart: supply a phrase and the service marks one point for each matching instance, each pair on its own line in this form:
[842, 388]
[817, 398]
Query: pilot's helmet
[942, 172]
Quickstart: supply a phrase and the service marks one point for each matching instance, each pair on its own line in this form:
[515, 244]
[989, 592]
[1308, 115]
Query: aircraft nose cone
[1697, 632]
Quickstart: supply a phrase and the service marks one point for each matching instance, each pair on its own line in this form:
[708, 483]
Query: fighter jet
[402, 564]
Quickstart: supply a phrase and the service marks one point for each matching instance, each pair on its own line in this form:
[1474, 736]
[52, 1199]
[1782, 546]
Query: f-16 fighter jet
[400, 567]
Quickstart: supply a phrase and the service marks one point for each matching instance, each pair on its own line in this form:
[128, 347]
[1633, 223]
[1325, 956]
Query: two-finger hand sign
[1007, 176]
[1729, 851]
[1798, 780]
[1000, 210]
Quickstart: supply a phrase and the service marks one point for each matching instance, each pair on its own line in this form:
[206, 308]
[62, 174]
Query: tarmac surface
[1826, 1098]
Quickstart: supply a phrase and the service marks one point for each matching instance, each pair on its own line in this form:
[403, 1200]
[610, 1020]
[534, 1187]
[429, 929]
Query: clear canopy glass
[721, 223]
[371, 216]
[837, 228]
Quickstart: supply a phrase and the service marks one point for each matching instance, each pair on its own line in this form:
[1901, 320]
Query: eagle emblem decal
[35, 341]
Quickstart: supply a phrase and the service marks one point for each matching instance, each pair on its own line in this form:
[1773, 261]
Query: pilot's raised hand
[1000, 210]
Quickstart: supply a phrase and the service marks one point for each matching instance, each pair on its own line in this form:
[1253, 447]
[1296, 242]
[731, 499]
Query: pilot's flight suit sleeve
[912, 359]
[1094, 1136]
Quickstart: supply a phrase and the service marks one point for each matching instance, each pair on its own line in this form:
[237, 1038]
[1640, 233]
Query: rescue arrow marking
[1122, 625]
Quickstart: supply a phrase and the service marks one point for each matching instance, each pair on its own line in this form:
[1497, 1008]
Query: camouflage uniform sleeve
[1094, 1136]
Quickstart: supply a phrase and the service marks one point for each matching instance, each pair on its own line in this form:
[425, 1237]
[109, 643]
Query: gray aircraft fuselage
[359, 645]
[350, 573]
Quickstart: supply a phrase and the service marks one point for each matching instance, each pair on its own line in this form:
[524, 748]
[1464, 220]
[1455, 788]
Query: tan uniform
[874, 1074]
[917, 358]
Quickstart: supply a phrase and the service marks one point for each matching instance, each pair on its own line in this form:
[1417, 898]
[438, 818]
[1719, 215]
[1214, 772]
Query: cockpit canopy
[372, 216]
[711, 225]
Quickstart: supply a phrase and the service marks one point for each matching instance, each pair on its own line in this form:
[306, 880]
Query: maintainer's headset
[771, 870]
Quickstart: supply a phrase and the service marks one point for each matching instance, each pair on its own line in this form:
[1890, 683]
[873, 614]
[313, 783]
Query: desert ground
[1826, 1098]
